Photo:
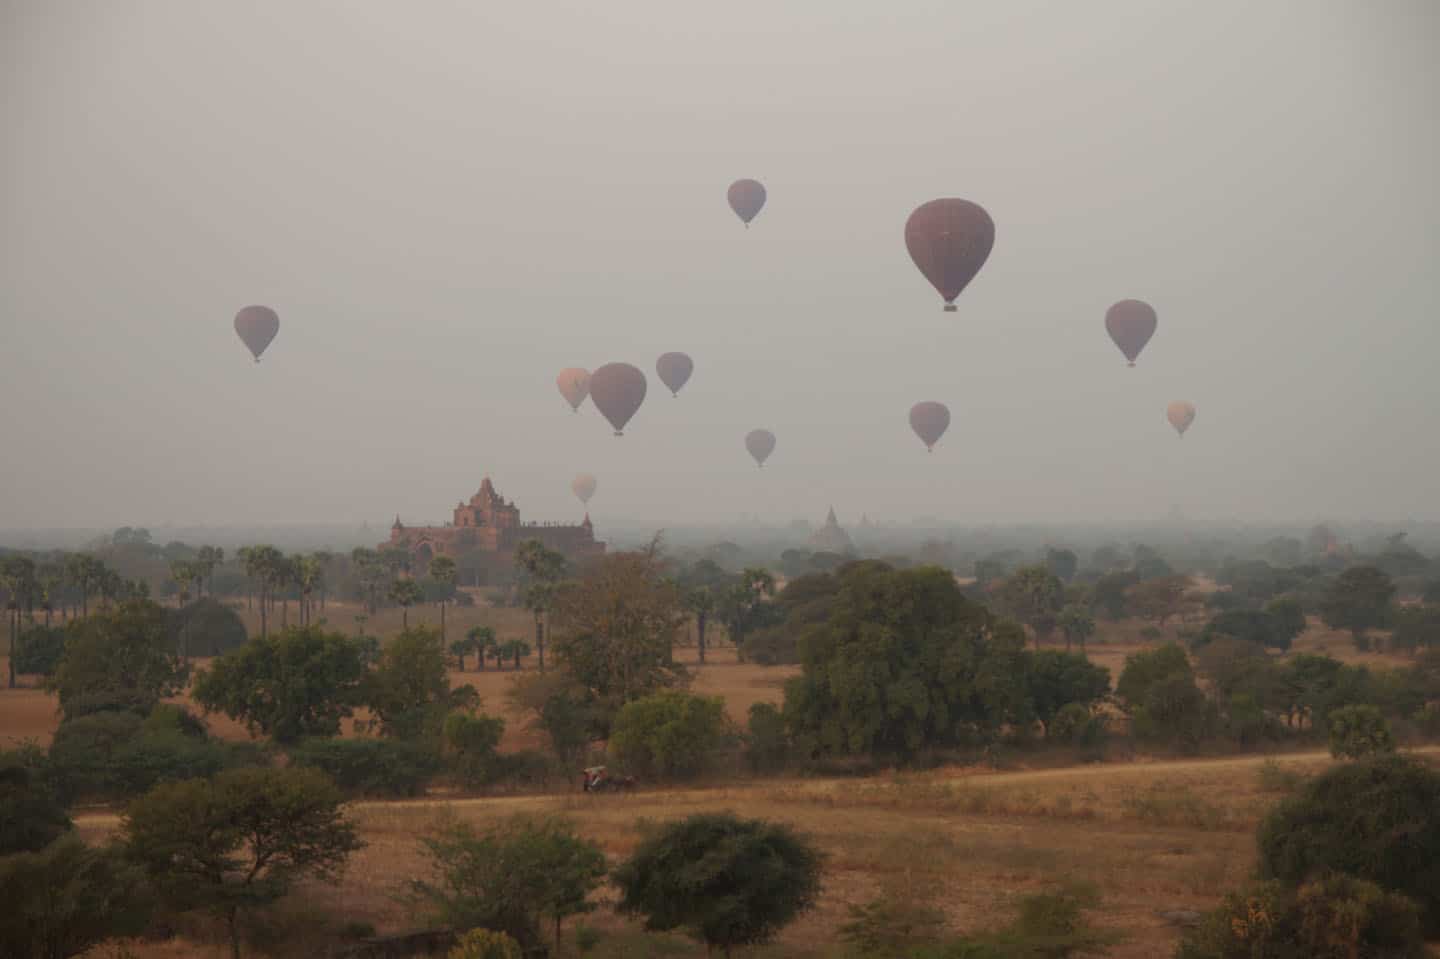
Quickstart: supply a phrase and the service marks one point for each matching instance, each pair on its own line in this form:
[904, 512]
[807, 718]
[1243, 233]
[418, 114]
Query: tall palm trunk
[442, 629]
[701, 621]
[539, 640]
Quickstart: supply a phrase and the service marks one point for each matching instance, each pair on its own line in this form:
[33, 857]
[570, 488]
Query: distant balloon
[574, 385]
[746, 198]
[1181, 415]
[583, 486]
[1130, 324]
[617, 390]
[930, 421]
[949, 240]
[760, 443]
[257, 326]
[674, 370]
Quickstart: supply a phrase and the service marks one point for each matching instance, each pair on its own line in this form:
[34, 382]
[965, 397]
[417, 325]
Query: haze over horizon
[449, 202]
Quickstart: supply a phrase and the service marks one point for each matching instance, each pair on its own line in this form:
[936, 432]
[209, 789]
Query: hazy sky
[447, 202]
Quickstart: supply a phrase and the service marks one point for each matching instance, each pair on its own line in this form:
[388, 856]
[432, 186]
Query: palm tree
[49, 578]
[324, 557]
[184, 573]
[442, 571]
[265, 567]
[371, 573]
[514, 648]
[1077, 624]
[542, 568]
[17, 573]
[311, 571]
[405, 593]
[480, 639]
[206, 560]
[84, 571]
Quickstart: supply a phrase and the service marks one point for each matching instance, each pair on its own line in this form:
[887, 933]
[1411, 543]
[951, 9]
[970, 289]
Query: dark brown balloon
[760, 443]
[746, 198]
[574, 384]
[930, 420]
[257, 326]
[674, 370]
[949, 240]
[617, 390]
[1130, 324]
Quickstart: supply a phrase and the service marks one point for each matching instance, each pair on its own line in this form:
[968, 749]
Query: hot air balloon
[674, 370]
[617, 390]
[930, 420]
[583, 486]
[1180, 414]
[760, 443]
[1130, 324]
[257, 326]
[746, 198]
[574, 385]
[949, 240]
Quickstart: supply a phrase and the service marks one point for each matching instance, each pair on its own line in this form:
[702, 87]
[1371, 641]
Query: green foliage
[1174, 713]
[1076, 622]
[120, 659]
[1358, 600]
[670, 734]
[767, 743]
[1416, 628]
[66, 898]
[1062, 562]
[1359, 731]
[1076, 724]
[1246, 625]
[1146, 668]
[370, 767]
[1335, 917]
[240, 840]
[510, 876]
[904, 663]
[565, 710]
[484, 944]
[726, 881]
[1236, 666]
[1035, 596]
[409, 690]
[1376, 819]
[1287, 620]
[206, 627]
[1111, 593]
[38, 651]
[891, 925]
[471, 743]
[290, 685]
[1054, 680]
[31, 815]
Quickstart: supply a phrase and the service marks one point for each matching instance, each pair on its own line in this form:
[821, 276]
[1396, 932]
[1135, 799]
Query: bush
[1377, 819]
[39, 651]
[1145, 669]
[669, 734]
[484, 944]
[470, 745]
[1174, 713]
[1338, 917]
[66, 898]
[892, 924]
[1359, 731]
[370, 767]
[31, 816]
[206, 627]
[767, 745]
[1078, 725]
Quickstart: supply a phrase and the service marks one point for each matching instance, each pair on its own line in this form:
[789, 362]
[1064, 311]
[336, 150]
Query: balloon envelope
[760, 443]
[617, 390]
[583, 486]
[746, 198]
[257, 326]
[674, 370]
[1181, 415]
[1130, 324]
[949, 240]
[930, 420]
[574, 385]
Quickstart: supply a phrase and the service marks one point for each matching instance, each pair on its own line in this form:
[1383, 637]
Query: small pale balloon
[949, 240]
[617, 390]
[760, 443]
[674, 370]
[746, 198]
[257, 326]
[929, 420]
[574, 384]
[1180, 414]
[1130, 324]
[583, 486]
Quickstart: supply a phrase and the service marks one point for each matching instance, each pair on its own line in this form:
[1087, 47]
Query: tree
[184, 574]
[471, 742]
[727, 881]
[905, 662]
[1055, 680]
[1149, 564]
[542, 569]
[122, 659]
[409, 689]
[63, 900]
[1358, 600]
[85, 572]
[1375, 819]
[484, 944]
[669, 734]
[1035, 596]
[1077, 624]
[206, 627]
[265, 566]
[1359, 731]
[1144, 669]
[1235, 666]
[298, 683]
[39, 651]
[1174, 713]
[405, 593]
[481, 641]
[1430, 593]
[1416, 629]
[1161, 598]
[616, 626]
[566, 711]
[310, 576]
[1287, 620]
[364, 766]
[509, 876]
[1062, 562]
[742, 605]
[239, 841]
[514, 649]
[1110, 593]
[207, 560]
[371, 573]
[31, 816]
[442, 571]
[702, 586]
[17, 575]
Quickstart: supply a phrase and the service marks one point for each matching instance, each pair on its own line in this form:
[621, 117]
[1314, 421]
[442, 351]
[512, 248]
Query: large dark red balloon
[257, 326]
[930, 420]
[760, 443]
[674, 370]
[617, 390]
[746, 198]
[949, 240]
[1130, 324]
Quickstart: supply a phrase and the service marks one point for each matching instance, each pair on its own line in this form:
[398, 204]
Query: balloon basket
[949, 308]
[1131, 364]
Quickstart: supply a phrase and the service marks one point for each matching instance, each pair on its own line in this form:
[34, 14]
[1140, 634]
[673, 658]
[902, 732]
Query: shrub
[1174, 713]
[1338, 917]
[1377, 819]
[484, 944]
[891, 924]
[1427, 719]
[470, 744]
[1077, 725]
[370, 767]
[206, 627]
[66, 898]
[39, 651]
[669, 734]
[1145, 669]
[767, 745]
[1359, 731]
[31, 816]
